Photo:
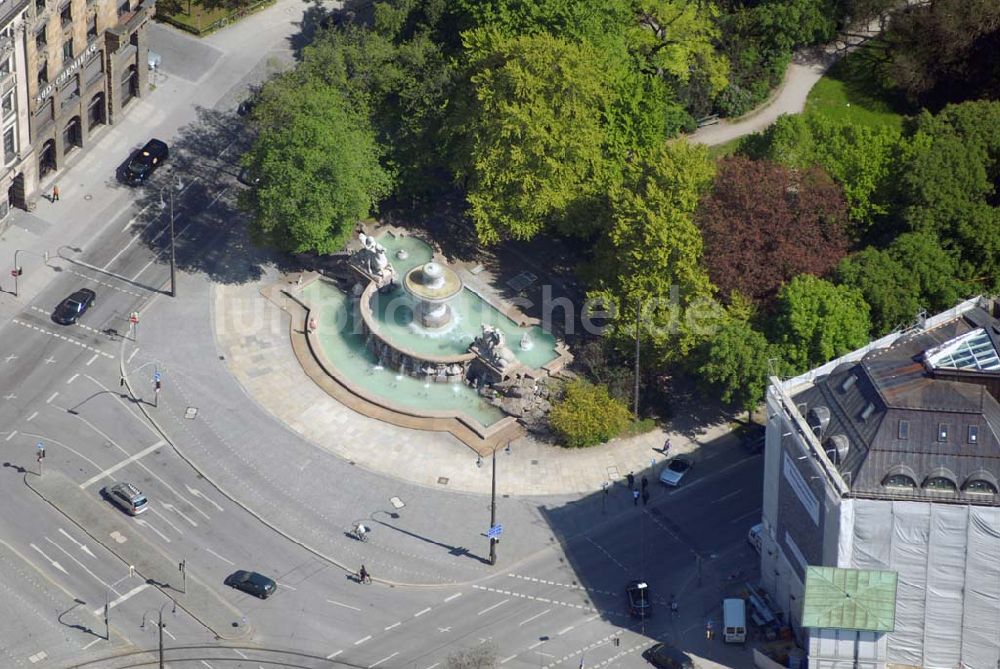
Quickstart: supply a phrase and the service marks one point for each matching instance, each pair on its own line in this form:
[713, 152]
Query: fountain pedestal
[432, 286]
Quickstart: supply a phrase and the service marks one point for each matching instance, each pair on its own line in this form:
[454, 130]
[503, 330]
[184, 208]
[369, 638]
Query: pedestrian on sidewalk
[645, 483]
[364, 576]
[55, 193]
[635, 497]
[631, 480]
[645, 497]
[673, 604]
[666, 446]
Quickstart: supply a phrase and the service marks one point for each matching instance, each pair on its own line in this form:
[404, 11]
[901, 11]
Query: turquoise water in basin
[394, 313]
[340, 338]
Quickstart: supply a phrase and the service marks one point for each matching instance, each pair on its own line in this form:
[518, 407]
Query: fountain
[432, 286]
[430, 345]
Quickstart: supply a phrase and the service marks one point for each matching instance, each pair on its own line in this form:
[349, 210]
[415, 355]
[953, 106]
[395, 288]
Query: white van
[734, 621]
[754, 536]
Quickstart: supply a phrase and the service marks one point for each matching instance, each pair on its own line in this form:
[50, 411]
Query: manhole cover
[191, 412]
[396, 502]
[443, 480]
[88, 197]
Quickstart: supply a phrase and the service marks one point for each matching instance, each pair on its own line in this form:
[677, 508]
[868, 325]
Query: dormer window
[942, 433]
[973, 434]
[899, 481]
[868, 411]
[847, 383]
[979, 487]
[904, 429]
[940, 483]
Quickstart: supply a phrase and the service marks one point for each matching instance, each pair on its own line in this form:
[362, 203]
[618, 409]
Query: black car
[74, 306]
[145, 161]
[665, 656]
[252, 583]
[639, 605]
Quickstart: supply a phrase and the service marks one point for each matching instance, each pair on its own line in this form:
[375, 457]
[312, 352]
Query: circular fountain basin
[432, 285]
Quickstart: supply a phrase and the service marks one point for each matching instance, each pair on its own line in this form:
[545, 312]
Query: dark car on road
[74, 306]
[252, 583]
[639, 605]
[665, 656]
[145, 161]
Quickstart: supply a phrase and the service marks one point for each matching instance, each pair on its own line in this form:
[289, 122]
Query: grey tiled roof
[894, 384]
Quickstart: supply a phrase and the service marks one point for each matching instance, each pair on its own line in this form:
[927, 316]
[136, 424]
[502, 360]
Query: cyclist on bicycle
[361, 531]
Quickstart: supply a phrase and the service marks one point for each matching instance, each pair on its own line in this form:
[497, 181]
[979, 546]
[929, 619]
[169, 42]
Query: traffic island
[103, 524]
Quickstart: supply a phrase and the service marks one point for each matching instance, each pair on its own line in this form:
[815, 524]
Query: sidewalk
[252, 334]
[101, 521]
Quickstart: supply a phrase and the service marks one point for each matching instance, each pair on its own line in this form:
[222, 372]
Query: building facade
[888, 459]
[85, 61]
[18, 164]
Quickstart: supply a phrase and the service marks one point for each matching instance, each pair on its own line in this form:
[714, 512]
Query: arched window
[940, 483]
[979, 487]
[899, 481]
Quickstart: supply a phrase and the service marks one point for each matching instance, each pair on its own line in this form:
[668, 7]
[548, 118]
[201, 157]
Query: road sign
[156, 376]
[40, 446]
[495, 531]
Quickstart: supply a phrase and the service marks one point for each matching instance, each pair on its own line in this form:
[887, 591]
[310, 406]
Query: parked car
[674, 471]
[252, 583]
[145, 161]
[126, 496]
[665, 656]
[74, 306]
[639, 605]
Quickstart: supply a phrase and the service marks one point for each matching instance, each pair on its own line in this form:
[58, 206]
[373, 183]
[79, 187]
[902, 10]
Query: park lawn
[199, 18]
[725, 149]
[850, 92]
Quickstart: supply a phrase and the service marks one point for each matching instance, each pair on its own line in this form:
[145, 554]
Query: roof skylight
[972, 351]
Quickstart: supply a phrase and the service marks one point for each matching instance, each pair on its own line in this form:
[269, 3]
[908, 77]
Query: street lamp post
[494, 534]
[160, 625]
[177, 185]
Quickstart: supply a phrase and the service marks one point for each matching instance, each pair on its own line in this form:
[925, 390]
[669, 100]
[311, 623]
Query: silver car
[675, 470]
[126, 496]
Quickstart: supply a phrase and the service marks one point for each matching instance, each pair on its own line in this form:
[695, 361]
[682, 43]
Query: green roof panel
[850, 599]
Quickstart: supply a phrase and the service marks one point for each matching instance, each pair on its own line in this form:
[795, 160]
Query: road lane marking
[142, 522]
[72, 379]
[166, 520]
[393, 626]
[384, 659]
[535, 645]
[134, 218]
[346, 606]
[11, 435]
[52, 397]
[433, 665]
[508, 659]
[54, 335]
[333, 655]
[539, 615]
[91, 643]
[563, 631]
[287, 587]
[32, 417]
[171, 507]
[236, 650]
[455, 596]
[740, 519]
[207, 664]
[488, 609]
[197, 493]
[167, 632]
[725, 497]
[127, 461]
[131, 355]
[128, 595]
[362, 640]
[220, 557]
[51, 561]
[82, 566]
[422, 612]
[91, 361]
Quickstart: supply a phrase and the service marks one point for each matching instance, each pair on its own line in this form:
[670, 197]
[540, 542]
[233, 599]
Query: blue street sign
[40, 446]
[495, 531]
[156, 376]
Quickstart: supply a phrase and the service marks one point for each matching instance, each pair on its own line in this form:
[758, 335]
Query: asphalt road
[555, 599]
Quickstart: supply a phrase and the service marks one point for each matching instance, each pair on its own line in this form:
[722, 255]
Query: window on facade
[92, 29]
[39, 6]
[123, 8]
[4, 66]
[899, 481]
[942, 432]
[8, 104]
[67, 50]
[973, 434]
[43, 74]
[66, 15]
[904, 429]
[40, 40]
[942, 483]
[9, 145]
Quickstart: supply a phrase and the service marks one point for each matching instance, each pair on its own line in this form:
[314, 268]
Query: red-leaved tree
[764, 224]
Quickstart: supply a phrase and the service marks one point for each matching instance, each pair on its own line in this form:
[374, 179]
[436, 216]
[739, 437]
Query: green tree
[818, 321]
[537, 131]
[650, 255]
[736, 363]
[587, 415]
[949, 187]
[318, 167]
